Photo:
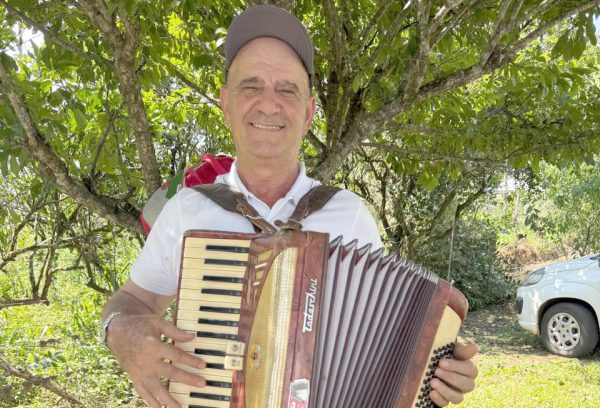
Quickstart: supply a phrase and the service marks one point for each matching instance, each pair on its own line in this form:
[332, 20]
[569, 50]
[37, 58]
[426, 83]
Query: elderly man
[268, 105]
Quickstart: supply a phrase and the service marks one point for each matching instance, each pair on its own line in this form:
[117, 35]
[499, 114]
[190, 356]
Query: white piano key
[203, 242]
[207, 284]
[196, 304]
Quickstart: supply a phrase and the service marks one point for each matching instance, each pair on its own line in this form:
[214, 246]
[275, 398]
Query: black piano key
[228, 248]
[223, 292]
[230, 262]
[216, 335]
[219, 309]
[215, 366]
[228, 323]
[210, 352]
[220, 384]
[222, 279]
[209, 396]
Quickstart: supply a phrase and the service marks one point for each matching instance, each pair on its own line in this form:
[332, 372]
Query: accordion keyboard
[209, 304]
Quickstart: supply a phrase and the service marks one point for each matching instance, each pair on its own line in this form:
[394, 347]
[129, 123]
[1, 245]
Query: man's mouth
[265, 126]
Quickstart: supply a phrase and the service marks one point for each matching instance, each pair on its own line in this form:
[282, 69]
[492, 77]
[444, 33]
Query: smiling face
[267, 103]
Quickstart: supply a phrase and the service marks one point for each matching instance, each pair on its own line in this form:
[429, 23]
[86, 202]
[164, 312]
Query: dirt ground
[495, 329]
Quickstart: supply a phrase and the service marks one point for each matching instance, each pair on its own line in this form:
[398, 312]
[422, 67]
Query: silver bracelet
[105, 323]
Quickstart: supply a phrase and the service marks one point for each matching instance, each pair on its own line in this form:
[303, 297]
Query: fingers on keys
[172, 332]
[154, 393]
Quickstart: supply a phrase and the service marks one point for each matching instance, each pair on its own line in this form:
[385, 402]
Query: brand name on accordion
[309, 306]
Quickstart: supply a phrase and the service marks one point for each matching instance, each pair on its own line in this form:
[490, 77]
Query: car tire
[569, 330]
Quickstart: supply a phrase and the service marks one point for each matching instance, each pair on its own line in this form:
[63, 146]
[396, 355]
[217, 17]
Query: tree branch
[54, 37]
[125, 47]
[537, 10]
[366, 124]
[442, 30]
[544, 28]
[187, 81]
[111, 120]
[57, 171]
[425, 155]
[46, 383]
[442, 12]
[366, 34]
[337, 44]
[314, 140]
[393, 30]
[24, 302]
[500, 28]
[459, 210]
[414, 74]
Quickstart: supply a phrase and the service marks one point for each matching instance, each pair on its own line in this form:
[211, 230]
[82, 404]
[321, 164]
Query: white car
[561, 302]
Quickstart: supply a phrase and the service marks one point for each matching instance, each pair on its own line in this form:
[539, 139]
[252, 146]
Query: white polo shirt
[157, 267]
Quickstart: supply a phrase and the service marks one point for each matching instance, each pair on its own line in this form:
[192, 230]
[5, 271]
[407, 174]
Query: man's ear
[224, 95]
[311, 106]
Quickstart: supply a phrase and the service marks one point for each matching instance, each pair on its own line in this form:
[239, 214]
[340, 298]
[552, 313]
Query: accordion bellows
[293, 320]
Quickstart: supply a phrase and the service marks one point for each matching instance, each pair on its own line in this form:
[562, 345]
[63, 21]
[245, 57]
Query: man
[268, 106]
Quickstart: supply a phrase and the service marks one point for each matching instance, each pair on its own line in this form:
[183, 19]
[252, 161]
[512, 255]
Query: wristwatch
[105, 323]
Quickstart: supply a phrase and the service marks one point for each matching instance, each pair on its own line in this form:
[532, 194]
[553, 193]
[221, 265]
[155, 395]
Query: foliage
[474, 267]
[60, 341]
[53, 235]
[567, 208]
[421, 107]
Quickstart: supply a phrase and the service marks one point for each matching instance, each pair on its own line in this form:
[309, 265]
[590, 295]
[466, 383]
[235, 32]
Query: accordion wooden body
[293, 320]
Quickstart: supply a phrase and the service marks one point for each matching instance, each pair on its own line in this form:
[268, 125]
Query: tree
[117, 82]
[565, 208]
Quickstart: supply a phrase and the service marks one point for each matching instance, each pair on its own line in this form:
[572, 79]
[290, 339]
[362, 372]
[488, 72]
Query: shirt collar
[300, 187]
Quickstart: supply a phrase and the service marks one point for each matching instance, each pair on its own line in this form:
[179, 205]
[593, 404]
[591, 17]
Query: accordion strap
[312, 201]
[234, 201]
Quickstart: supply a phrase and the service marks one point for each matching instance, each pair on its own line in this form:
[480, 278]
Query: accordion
[293, 320]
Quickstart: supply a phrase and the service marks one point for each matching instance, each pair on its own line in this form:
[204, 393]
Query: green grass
[59, 341]
[516, 371]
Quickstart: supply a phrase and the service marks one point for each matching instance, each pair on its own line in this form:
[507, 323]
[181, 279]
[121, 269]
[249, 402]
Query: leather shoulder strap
[312, 201]
[234, 201]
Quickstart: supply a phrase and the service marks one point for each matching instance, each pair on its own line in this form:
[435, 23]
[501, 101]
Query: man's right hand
[135, 340]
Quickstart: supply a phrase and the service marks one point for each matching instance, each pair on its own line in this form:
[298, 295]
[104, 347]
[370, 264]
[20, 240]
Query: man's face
[266, 102]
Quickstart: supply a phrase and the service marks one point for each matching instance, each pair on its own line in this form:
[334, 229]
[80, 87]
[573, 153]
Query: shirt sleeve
[365, 227]
[157, 267]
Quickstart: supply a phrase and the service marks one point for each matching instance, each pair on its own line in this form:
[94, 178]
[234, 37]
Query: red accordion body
[293, 320]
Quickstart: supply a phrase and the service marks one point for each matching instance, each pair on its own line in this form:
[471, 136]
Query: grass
[515, 370]
[59, 341]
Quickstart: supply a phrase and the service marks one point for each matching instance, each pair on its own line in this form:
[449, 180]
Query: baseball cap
[269, 21]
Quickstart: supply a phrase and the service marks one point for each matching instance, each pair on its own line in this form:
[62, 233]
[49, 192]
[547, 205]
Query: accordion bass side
[293, 320]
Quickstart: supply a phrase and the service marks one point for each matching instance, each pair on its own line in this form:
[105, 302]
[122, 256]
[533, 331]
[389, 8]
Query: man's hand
[135, 342]
[454, 377]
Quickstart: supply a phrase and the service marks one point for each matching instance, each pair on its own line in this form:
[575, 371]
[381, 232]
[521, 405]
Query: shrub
[476, 269]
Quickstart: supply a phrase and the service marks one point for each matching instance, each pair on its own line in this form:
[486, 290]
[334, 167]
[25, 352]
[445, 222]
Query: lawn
[515, 370]
[59, 341]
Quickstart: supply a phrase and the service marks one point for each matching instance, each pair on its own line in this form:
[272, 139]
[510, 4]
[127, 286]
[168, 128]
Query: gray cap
[269, 21]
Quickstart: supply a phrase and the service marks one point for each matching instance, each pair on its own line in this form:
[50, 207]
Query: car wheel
[569, 329]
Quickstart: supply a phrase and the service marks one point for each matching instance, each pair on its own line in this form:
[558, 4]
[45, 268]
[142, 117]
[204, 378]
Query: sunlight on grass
[527, 381]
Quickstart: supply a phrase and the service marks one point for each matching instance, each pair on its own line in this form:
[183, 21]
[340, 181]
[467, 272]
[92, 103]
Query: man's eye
[287, 91]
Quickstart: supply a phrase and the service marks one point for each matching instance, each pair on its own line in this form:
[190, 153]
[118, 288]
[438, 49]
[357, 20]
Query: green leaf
[590, 30]
[356, 83]
[79, 118]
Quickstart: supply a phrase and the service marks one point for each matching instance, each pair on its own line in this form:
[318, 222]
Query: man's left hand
[454, 377]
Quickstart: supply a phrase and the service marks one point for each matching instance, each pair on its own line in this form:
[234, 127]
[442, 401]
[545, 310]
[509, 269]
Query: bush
[476, 269]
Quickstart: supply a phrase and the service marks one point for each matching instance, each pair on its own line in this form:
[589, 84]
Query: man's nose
[269, 103]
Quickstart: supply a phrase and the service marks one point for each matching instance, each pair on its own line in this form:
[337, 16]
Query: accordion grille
[268, 345]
